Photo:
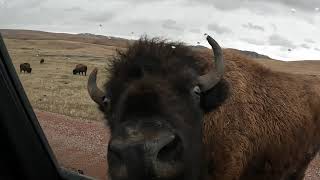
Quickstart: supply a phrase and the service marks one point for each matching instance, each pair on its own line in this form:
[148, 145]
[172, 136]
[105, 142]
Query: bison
[80, 69]
[42, 61]
[25, 67]
[175, 115]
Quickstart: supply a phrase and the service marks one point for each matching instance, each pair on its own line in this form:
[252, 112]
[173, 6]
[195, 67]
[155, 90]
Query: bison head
[154, 103]
[29, 70]
[75, 71]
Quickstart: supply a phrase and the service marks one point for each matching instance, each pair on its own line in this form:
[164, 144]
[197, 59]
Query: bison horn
[95, 93]
[210, 79]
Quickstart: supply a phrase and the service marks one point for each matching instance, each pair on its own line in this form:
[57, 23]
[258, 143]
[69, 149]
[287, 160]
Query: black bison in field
[25, 67]
[175, 115]
[80, 69]
[42, 61]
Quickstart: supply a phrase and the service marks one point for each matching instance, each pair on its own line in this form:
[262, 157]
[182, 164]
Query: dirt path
[81, 144]
[77, 144]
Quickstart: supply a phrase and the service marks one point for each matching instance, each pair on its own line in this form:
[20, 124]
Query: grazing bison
[80, 69]
[171, 117]
[25, 67]
[42, 61]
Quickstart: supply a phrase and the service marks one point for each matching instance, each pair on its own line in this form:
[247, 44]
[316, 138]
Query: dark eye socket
[197, 90]
[106, 101]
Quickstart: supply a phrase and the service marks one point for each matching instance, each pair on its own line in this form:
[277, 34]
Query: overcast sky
[270, 27]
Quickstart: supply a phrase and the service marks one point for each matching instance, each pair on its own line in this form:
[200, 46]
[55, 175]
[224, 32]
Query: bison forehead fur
[155, 59]
[258, 124]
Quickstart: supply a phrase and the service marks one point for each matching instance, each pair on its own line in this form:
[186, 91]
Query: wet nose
[161, 154]
[162, 144]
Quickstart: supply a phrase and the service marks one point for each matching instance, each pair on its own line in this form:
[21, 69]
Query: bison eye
[197, 90]
[106, 101]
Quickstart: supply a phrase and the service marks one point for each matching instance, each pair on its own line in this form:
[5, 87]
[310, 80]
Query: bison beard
[173, 115]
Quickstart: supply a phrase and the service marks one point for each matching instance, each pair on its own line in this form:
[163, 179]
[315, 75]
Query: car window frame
[20, 126]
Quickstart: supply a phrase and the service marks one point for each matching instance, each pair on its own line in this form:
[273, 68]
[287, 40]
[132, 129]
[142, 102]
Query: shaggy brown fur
[268, 128]
[259, 124]
[25, 67]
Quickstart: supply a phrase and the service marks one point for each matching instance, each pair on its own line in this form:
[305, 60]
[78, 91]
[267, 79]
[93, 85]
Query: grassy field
[52, 86]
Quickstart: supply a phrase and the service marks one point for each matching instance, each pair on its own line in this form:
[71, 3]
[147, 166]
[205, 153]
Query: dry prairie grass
[52, 86]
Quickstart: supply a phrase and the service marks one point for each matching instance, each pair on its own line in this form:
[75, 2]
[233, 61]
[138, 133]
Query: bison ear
[215, 96]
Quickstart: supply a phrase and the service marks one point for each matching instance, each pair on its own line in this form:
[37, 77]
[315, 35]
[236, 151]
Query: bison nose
[169, 148]
[163, 146]
[161, 155]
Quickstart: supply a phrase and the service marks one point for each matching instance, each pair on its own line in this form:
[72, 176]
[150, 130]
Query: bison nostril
[114, 157]
[171, 151]
[117, 165]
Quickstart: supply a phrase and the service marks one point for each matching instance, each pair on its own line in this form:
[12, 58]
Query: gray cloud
[218, 28]
[306, 46]
[277, 40]
[317, 49]
[121, 17]
[309, 41]
[73, 9]
[195, 30]
[25, 4]
[274, 27]
[253, 27]
[142, 1]
[171, 24]
[103, 17]
[306, 5]
[253, 41]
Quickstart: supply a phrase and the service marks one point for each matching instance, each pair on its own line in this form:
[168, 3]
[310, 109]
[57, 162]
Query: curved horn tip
[209, 38]
[95, 93]
[210, 79]
[206, 35]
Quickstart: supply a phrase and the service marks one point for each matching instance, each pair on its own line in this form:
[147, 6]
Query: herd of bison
[80, 69]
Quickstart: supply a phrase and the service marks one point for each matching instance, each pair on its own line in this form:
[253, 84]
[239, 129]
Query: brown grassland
[52, 86]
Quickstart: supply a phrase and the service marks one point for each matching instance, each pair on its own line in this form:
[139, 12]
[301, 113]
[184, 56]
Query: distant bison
[42, 61]
[80, 69]
[25, 67]
[175, 114]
